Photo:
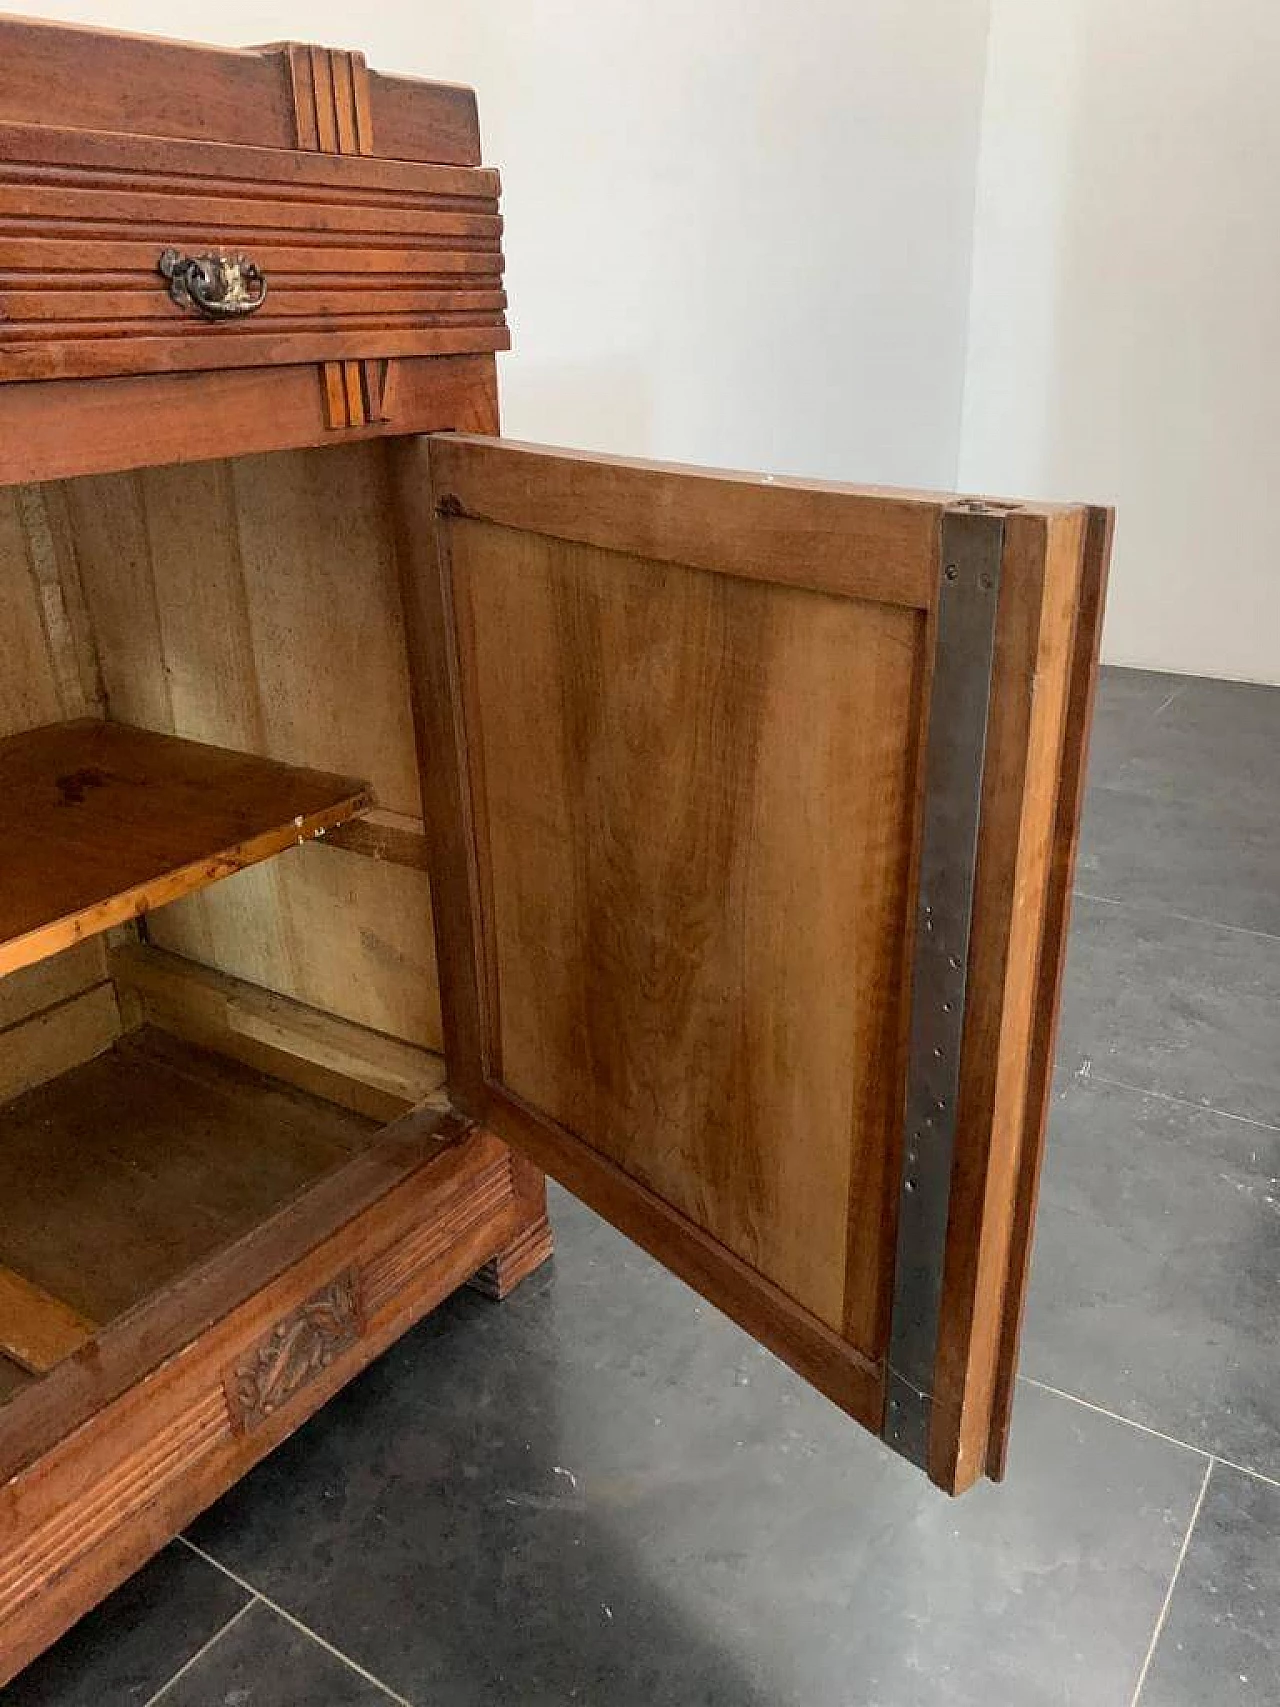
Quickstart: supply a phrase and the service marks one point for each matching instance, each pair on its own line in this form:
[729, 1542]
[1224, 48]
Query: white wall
[1125, 317]
[745, 234]
[737, 232]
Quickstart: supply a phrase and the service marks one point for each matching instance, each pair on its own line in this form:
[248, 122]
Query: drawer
[275, 256]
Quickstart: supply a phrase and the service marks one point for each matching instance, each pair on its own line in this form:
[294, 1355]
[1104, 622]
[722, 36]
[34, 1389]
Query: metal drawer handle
[221, 287]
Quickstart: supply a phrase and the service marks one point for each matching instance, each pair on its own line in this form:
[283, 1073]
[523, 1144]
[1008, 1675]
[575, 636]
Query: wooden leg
[532, 1244]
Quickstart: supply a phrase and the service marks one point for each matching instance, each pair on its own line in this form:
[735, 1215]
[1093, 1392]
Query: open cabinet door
[751, 806]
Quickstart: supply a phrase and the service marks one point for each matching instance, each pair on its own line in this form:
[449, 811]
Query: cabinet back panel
[28, 686]
[254, 603]
[60, 1011]
[697, 795]
[48, 670]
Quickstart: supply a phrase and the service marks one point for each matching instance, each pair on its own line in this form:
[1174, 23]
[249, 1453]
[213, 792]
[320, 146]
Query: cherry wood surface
[354, 268]
[678, 842]
[101, 1213]
[104, 821]
[360, 197]
[668, 787]
[51, 429]
[363, 198]
[1066, 835]
[114, 1451]
[37, 1329]
[145, 86]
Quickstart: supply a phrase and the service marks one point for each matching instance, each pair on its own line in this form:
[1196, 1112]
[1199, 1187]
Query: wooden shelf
[100, 1214]
[101, 822]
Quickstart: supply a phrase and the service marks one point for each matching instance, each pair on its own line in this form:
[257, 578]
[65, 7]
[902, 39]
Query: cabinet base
[302, 1305]
[502, 1274]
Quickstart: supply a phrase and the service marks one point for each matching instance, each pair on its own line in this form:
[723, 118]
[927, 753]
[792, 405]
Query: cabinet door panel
[694, 746]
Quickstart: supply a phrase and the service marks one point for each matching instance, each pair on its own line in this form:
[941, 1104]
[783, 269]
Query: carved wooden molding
[299, 1348]
[502, 1274]
[333, 116]
[330, 99]
[395, 1270]
[342, 259]
[356, 392]
[32, 1558]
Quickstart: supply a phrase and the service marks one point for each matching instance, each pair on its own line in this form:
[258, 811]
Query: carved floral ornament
[300, 1347]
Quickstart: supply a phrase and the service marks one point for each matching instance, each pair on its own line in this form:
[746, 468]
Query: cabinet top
[282, 95]
[211, 251]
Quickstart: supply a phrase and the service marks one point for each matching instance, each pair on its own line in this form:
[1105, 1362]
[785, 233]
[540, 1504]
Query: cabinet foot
[528, 1250]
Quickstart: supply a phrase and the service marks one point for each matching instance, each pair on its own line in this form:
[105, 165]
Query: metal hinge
[964, 648]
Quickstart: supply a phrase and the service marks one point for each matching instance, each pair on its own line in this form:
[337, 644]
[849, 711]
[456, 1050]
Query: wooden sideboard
[395, 812]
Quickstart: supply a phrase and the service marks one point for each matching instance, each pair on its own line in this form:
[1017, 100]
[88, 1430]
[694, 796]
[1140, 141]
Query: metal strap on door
[965, 624]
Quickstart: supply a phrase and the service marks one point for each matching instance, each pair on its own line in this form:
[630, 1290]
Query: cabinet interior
[169, 1082]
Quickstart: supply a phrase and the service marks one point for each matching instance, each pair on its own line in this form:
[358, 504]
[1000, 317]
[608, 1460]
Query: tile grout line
[1172, 913]
[201, 1651]
[1166, 703]
[1156, 1433]
[1113, 1416]
[1244, 1470]
[1181, 1101]
[1092, 1078]
[1173, 1583]
[289, 1618]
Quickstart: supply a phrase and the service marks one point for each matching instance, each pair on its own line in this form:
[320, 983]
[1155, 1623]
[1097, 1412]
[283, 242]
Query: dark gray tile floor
[1218, 1644]
[130, 1646]
[602, 1492]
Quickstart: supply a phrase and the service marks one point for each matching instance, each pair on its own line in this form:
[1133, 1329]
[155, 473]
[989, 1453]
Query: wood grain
[395, 837]
[87, 1494]
[13, 1378]
[855, 542]
[30, 689]
[130, 1348]
[256, 604]
[82, 201]
[364, 1070]
[679, 850]
[49, 430]
[199, 614]
[458, 799]
[431, 639]
[127, 1170]
[821, 1355]
[48, 983]
[1073, 766]
[80, 211]
[149, 88]
[79, 152]
[306, 299]
[105, 822]
[534, 1241]
[48, 667]
[56, 1037]
[696, 792]
[191, 352]
[37, 1330]
[332, 113]
[1040, 592]
[865, 542]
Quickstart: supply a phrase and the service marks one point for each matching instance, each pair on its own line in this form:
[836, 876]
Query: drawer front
[300, 255]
